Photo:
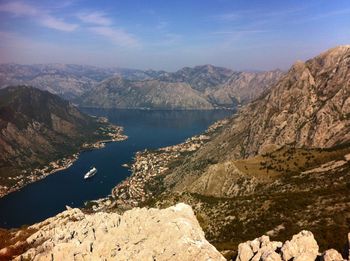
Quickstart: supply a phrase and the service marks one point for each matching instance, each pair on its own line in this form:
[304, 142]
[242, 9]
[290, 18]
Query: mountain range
[206, 87]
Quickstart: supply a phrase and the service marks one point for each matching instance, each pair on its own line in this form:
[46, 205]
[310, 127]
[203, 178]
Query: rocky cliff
[138, 234]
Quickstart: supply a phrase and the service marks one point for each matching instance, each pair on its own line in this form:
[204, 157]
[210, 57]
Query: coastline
[115, 134]
[147, 167]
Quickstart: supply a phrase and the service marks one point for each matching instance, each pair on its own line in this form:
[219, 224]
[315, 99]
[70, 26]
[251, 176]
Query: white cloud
[58, 24]
[101, 24]
[117, 36]
[97, 18]
[41, 16]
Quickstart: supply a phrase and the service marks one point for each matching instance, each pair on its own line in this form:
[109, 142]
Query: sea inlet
[146, 129]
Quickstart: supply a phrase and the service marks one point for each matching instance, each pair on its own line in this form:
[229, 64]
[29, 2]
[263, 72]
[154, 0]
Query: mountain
[200, 87]
[38, 128]
[243, 87]
[201, 77]
[119, 92]
[283, 161]
[65, 80]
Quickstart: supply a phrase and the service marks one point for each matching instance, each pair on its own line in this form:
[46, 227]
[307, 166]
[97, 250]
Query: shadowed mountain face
[200, 87]
[280, 165]
[37, 127]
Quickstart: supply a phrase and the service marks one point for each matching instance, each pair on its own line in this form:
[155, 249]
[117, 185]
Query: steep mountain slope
[282, 161]
[122, 93]
[309, 107]
[37, 127]
[243, 87]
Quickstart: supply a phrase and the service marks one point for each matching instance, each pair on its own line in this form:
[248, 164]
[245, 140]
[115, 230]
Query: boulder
[245, 252]
[259, 249]
[302, 247]
[332, 255]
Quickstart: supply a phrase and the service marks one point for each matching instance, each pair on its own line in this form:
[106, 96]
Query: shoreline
[147, 166]
[115, 134]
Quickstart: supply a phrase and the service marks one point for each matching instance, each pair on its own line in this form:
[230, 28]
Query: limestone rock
[302, 247]
[245, 252]
[259, 249]
[332, 255]
[139, 234]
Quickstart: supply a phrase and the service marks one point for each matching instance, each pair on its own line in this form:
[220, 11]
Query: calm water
[146, 129]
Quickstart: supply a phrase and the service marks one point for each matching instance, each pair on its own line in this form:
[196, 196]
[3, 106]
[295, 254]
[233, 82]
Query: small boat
[90, 173]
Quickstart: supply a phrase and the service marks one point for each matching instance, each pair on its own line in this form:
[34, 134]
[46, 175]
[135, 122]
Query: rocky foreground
[302, 247]
[138, 234]
[144, 234]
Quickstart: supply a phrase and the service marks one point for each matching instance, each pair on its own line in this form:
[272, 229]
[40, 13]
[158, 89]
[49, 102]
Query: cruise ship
[90, 173]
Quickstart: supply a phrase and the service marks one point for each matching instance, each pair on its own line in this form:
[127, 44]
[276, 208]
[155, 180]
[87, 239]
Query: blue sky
[238, 34]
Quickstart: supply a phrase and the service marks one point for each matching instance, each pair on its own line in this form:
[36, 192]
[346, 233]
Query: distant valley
[200, 87]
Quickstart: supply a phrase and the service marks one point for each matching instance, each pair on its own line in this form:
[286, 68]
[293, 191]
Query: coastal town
[112, 133]
[37, 174]
[148, 165]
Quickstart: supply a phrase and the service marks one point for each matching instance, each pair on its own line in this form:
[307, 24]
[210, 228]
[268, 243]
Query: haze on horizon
[168, 35]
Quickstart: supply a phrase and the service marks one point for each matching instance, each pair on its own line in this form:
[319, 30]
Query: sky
[171, 34]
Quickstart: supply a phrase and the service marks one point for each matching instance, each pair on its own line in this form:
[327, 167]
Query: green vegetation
[289, 160]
